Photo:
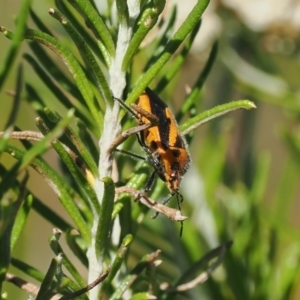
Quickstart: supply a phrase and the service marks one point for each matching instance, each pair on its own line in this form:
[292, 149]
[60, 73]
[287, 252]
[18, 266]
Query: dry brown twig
[87, 288]
[34, 290]
[22, 284]
[124, 135]
[28, 135]
[171, 213]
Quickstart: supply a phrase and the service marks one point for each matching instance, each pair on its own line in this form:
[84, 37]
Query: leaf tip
[251, 105]
[51, 11]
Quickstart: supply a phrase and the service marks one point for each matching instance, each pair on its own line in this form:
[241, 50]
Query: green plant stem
[100, 233]
[112, 127]
[105, 216]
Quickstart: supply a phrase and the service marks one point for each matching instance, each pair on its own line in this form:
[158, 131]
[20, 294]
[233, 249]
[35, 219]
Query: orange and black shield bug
[163, 144]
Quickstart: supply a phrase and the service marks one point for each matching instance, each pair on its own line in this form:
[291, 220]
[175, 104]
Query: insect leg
[133, 155]
[165, 201]
[179, 198]
[150, 182]
[148, 185]
[124, 135]
[153, 160]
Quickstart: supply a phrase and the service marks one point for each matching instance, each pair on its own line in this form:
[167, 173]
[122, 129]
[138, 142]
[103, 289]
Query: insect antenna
[179, 199]
[134, 114]
[131, 154]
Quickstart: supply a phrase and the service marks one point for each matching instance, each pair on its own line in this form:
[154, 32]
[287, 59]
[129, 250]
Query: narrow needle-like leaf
[213, 113]
[7, 62]
[179, 36]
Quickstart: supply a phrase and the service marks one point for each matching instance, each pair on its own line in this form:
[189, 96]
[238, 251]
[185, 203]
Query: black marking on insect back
[175, 166]
[164, 131]
[158, 108]
[179, 143]
[164, 145]
[153, 145]
[176, 152]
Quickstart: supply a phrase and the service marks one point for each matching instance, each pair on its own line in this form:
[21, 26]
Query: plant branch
[28, 287]
[88, 287]
[171, 213]
[111, 128]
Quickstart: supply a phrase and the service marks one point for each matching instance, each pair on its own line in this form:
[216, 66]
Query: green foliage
[123, 251]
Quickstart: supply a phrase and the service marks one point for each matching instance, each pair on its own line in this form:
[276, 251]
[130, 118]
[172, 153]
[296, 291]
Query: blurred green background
[244, 180]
